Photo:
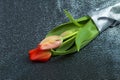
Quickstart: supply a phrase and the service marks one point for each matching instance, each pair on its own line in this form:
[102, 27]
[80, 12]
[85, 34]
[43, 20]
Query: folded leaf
[86, 34]
[64, 52]
[68, 26]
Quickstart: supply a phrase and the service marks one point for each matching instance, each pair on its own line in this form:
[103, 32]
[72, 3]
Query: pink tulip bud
[50, 42]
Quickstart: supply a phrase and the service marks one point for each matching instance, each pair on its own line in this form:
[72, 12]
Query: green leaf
[68, 26]
[64, 52]
[71, 18]
[83, 19]
[86, 34]
[81, 36]
[62, 28]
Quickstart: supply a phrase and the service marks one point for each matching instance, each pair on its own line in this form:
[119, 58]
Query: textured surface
[23, 23]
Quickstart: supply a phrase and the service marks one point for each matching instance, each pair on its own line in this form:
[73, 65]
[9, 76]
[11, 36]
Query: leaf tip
[78, 49]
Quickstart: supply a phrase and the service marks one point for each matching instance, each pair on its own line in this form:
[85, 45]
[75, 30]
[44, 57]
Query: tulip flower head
[50, 42]
[42, 53]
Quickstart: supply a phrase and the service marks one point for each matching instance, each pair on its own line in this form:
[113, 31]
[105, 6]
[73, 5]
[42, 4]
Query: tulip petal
[50, 42]
[39, 55]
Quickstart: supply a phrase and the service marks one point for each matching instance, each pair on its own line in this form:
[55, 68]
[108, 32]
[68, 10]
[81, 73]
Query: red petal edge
[39, 55]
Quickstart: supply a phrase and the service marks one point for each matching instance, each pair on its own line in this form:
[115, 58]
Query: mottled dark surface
[23, 23]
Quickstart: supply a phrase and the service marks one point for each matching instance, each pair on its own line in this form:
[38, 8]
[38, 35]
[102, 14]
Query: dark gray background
[23, 23]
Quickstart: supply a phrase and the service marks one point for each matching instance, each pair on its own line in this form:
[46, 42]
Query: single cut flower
[65, 39]
[72, 36]
[42, 53]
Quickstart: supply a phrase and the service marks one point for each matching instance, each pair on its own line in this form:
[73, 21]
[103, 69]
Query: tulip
[42, 53]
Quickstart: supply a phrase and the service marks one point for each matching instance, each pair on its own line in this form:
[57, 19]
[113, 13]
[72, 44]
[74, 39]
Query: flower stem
[66, 37]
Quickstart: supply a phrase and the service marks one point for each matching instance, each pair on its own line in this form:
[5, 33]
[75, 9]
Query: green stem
[66, 37]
